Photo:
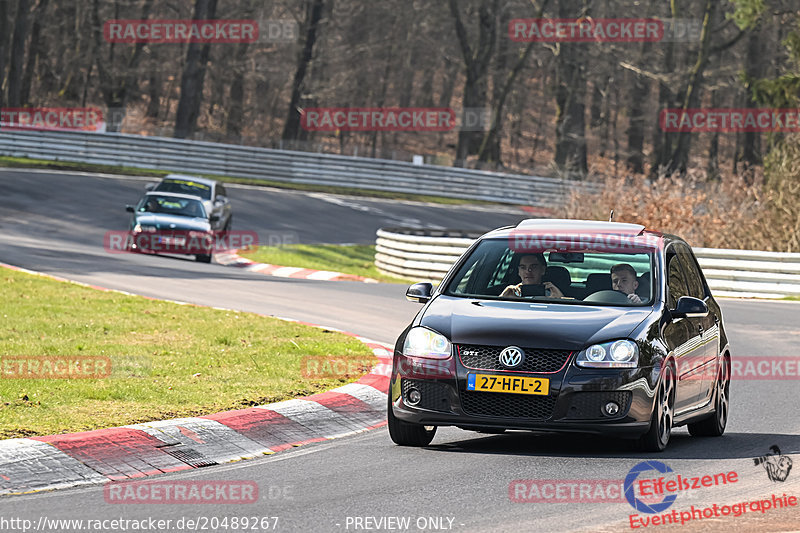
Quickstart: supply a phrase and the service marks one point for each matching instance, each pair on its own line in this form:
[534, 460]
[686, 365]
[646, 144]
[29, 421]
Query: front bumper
[574, 403]
[177, 242]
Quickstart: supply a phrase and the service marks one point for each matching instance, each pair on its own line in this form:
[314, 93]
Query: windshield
[187, 207]
[185, 187]
[495, 270]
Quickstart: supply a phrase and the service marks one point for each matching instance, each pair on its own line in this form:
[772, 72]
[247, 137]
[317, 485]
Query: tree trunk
[3, 48]
[15, 68]
[292, 129]
[153, 94]
[476, 68]
[115, 90]
[194, 74]
[691, 98]
[450, 74]
[571, 99]
[235, 118]
[639, 92]
[34, 50]
[750, 151]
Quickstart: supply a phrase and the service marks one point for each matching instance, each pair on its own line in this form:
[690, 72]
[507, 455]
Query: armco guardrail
[427, 255]
[279, 165]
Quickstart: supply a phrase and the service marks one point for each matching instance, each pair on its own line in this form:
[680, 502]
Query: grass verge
[167, 360]
[19, 162]
[356, 259]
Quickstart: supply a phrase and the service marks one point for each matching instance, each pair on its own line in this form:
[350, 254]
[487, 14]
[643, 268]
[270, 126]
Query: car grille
[536, 359]
[589, 405]
[502, 405]
[433, 394]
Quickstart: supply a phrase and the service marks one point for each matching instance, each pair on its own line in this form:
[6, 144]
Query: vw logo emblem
[512, 357]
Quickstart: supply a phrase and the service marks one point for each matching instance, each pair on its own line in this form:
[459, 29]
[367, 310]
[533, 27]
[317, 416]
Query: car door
[222, 205]
[682, 337]
[707, 325]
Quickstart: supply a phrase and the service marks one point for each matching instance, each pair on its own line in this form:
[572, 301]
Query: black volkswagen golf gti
[564, 325]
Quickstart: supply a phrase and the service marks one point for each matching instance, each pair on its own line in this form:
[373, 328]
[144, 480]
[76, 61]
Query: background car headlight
[423, 342]
[138, 228]
[614, 354]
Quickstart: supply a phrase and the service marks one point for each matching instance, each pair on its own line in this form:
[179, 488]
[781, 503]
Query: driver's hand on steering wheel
[512, 290]
[555, 292]
[634, 298]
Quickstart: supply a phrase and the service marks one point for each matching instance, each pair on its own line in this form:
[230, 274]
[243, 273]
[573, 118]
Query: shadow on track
[681, 446]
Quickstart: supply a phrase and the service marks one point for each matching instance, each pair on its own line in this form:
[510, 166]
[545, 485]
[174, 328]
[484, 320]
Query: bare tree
[15, 68]
[194, 74]
[313, 11]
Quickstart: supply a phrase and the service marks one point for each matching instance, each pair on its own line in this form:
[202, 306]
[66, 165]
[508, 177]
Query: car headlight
[138, 228]
[423, 342]
[614, 354]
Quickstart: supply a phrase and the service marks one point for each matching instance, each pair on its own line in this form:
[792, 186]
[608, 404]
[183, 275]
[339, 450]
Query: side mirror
[220, 199]
[213, 218]
[689, 307]
[129, 208]
[150, 186]
[419, 292]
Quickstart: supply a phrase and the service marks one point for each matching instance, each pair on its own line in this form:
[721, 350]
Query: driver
[624, 280]
[531, 270]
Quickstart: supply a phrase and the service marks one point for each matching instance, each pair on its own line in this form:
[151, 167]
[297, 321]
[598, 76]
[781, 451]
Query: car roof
[198, 179]
[580, 225]
[174, 195]
[567, 226]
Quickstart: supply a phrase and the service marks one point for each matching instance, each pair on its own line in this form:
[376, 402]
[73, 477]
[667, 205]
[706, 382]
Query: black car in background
[212, 193]
[585, 358]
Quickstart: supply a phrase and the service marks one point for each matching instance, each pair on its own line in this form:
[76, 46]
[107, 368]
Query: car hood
[528, 324]
[176, 222]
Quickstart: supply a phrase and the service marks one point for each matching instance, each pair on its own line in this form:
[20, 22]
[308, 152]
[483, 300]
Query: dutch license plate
[508, 384]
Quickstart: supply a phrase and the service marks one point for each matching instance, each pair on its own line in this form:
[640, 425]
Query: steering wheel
[607, 297]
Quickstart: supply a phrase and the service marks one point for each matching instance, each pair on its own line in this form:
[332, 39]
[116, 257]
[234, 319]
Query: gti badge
[512, 357]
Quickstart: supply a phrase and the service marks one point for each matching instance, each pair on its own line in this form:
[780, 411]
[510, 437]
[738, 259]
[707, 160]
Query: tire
[714, 425]
[203, 258]
[228, 225]
[406, 434]
[657, 437]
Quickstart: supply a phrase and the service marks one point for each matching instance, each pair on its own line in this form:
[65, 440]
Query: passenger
[531, 270]
[624, 280]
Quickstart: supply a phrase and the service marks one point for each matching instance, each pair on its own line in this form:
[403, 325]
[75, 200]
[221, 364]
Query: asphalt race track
[55, 222]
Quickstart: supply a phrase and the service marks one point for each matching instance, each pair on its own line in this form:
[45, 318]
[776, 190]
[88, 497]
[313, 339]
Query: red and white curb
[139, 450]
[231, 258]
